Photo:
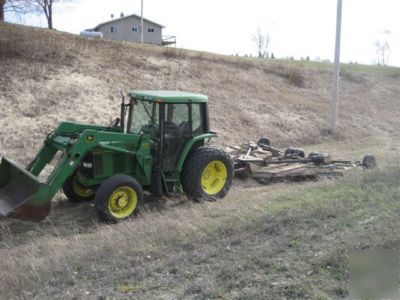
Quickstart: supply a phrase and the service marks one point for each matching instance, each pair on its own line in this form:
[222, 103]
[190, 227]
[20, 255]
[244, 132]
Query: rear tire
[118, 197]
[75, 192]
[207, 174]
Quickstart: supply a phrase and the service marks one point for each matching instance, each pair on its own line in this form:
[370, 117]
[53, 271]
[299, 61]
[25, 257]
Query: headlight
[87, 165]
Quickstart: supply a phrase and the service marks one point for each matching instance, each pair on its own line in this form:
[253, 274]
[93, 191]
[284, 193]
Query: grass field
[281, 241]
[290, 241]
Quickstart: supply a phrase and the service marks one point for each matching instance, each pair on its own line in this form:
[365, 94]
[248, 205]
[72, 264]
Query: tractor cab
[170, 118]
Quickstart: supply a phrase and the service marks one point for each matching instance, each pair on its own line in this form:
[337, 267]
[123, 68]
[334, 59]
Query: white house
[128, 28]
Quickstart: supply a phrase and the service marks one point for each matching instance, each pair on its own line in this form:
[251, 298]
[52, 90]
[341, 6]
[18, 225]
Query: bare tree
[382, 48]
[46, 7]
[20, 7]
[382, 51]
[17, 7]
[261, 40]
[2, 3]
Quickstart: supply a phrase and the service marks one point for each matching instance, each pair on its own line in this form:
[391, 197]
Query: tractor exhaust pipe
[123, 110]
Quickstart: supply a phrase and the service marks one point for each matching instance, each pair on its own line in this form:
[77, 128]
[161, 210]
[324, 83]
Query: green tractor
[159, 144]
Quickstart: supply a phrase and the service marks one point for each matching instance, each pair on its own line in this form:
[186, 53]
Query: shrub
[292, 75]
[296, 79]
[174, 53]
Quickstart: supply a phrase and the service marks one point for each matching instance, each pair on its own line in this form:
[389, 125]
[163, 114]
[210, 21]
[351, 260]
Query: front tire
[118, 197]
[76, 192]
[207, 174]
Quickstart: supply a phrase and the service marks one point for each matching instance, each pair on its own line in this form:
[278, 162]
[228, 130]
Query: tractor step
[172, 185]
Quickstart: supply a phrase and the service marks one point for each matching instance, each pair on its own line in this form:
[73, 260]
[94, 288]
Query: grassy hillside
[260, 242]
[48, 77]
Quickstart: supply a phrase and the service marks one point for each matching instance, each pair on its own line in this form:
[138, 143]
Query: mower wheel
[297, 152]
[369, 162]
[76, 192]
[118, 197]
[207, 174]
[312, 154]
[264, 142]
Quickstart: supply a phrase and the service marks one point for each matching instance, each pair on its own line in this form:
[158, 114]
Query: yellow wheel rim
[122, 202]
[80, 190]
[214, 177]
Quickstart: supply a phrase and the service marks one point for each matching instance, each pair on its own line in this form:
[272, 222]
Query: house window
[150, 29]
[134, 29]
[113, 29]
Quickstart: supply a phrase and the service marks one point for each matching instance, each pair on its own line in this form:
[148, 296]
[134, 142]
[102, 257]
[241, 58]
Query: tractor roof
[168, 96]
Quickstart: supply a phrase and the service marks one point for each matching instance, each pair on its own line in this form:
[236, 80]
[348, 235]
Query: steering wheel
[183, 128]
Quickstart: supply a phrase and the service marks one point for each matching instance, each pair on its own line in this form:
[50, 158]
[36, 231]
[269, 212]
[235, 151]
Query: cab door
[177, 130]
[182, 121]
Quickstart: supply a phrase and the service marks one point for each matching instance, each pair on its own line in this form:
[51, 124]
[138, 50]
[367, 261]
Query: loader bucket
[17, 190]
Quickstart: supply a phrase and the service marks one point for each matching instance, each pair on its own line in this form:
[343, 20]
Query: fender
[188, 147]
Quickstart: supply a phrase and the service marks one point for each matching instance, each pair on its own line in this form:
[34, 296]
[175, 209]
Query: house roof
[168, 96]
[125, 17]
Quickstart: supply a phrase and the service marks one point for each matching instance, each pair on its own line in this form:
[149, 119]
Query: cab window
[145, 116]
[177, 120]
[197, 124]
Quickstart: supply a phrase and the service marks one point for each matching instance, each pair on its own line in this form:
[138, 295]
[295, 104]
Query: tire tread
[195, 163]
[107, 188]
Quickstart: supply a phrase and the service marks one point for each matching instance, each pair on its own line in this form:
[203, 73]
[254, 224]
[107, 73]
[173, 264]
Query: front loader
[159, 144]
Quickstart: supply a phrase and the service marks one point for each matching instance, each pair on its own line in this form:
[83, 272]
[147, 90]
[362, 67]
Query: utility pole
[336, 68]
[141, 25]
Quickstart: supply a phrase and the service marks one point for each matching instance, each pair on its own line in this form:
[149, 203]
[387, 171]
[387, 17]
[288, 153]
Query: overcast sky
[297, 28]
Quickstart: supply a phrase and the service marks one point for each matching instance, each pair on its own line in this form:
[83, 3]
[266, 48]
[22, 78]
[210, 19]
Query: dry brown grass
[174, 53]
[259, 241]
[293, 75]
[48, 77]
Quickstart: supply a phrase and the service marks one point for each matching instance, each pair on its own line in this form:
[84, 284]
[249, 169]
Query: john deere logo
[90, 138]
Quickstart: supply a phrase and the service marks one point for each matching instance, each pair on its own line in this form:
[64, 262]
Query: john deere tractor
[159, 144]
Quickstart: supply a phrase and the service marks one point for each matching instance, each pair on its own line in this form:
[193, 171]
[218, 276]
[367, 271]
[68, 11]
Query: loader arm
[74, 150]
[74, 141]
[60, 140]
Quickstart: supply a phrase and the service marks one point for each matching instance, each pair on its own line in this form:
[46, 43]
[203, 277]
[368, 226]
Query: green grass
[291, 243]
